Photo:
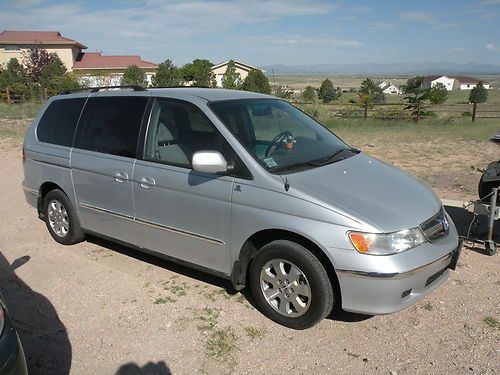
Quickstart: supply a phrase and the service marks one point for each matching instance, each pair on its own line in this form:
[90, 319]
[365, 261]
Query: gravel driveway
[98, 308]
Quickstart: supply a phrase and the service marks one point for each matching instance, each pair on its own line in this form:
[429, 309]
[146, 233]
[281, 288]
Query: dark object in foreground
[488, 190]
[12, 361]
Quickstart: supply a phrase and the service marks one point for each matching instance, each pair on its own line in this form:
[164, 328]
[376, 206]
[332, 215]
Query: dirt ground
[98, 308]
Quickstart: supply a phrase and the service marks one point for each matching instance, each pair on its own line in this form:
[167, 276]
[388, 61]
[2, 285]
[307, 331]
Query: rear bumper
[30, 195]
[383, 293]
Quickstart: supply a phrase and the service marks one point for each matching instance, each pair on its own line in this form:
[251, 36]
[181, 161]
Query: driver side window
[177, 130]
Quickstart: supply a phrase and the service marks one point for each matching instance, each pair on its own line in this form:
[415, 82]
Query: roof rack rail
[97, 89]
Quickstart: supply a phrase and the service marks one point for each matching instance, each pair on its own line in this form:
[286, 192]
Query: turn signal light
[360, 241]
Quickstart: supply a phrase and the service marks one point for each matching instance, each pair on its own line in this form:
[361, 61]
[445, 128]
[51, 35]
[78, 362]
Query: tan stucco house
[93, 68]
[220, 69]
[14, 43]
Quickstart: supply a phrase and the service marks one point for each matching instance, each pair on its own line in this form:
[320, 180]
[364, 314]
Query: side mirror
[209, 162]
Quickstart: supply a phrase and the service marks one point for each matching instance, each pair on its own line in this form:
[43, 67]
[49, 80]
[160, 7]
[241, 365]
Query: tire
[300, 273]
[484, 190]
[61, 219]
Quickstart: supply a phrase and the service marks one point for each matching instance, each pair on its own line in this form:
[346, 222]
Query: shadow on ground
[474, 230]
[159, 368]
[338, 315]
[43, 335]
[163, 263]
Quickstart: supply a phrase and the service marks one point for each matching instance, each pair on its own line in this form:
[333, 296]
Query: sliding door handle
[120, 176]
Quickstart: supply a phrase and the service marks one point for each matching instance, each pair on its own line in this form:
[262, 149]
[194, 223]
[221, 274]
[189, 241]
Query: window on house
[12, 48]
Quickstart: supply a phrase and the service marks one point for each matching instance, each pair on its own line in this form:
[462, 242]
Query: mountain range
[385, 68]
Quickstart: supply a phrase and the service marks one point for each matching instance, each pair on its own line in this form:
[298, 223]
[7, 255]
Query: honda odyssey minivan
[244, 186]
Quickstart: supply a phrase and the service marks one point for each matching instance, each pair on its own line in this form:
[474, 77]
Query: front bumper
[383, 293]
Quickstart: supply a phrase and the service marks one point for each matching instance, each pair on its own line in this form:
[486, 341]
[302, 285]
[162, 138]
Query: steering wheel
[276, 140]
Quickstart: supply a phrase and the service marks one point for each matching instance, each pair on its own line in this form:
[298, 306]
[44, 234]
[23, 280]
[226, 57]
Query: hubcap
[285, 287]
[58, 218]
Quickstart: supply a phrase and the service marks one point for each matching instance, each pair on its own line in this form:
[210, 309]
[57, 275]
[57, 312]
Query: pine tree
[231, 79]
[134, 76]
[477, 95]
[256, 81]
[167, 75]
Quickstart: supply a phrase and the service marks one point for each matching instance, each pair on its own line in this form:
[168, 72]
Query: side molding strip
[155, 225]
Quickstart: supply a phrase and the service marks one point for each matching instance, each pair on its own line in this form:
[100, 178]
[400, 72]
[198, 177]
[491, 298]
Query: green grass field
[424, 131]
[18, 111]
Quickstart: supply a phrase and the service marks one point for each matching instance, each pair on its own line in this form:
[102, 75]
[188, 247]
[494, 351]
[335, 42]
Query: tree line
[416, 96]
[41, 74]
[198, 73]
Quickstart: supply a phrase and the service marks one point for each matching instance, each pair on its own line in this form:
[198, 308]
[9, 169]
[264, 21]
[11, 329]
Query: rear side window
[111, 125]
[58, 122]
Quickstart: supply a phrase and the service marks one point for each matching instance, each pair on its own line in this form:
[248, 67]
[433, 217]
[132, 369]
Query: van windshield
[279, 136]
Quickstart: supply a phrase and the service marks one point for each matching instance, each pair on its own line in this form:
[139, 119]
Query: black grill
[434, 277]
[436, 227]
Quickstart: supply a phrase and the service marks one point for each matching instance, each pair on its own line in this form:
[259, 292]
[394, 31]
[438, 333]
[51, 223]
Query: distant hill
[388, 68]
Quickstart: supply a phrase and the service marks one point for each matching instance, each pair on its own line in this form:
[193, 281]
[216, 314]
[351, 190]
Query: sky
[266, 32]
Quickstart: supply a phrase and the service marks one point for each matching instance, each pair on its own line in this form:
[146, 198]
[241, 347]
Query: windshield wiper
[336, 156]
[289, 168]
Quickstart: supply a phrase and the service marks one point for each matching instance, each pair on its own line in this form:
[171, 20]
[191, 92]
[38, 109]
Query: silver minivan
[244, 186]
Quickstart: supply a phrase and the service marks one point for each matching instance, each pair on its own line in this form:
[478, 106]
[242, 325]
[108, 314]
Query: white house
[220, 69]
[453, 82]
[468, 83]
[431, 81]
[390, 88]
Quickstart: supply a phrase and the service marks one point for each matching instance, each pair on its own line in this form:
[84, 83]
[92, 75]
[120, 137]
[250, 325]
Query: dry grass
[439, 153]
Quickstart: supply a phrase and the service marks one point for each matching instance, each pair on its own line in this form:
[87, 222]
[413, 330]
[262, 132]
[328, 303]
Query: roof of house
[31, 37]
[465, 79]
[428, 79]
[461, 79]
[237, 63]
[387, 85]
[95, 60]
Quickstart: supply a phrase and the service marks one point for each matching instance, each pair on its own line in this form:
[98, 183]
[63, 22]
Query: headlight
[386, 244]
[2, 318]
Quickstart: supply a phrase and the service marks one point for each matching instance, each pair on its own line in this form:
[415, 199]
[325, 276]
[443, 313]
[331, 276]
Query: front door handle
[120, 176]
[147, 182]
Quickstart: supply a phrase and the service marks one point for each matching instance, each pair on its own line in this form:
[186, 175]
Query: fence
[397, 111]
[15, 97]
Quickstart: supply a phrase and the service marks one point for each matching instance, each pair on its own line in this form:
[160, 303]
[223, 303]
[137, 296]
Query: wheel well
[252, 246]
[44, 190]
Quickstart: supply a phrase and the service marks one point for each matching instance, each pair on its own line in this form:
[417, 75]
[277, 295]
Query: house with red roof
[93, 68]
[96, 69]
[14, 43]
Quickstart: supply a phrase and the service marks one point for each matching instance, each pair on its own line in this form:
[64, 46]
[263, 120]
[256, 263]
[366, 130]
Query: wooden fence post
[8, 95]
[45, 93]
[418, 110]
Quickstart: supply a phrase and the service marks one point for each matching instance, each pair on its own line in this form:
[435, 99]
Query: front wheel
[290, 285]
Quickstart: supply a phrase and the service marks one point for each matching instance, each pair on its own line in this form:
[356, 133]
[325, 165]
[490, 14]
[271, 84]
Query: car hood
[369, 190]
